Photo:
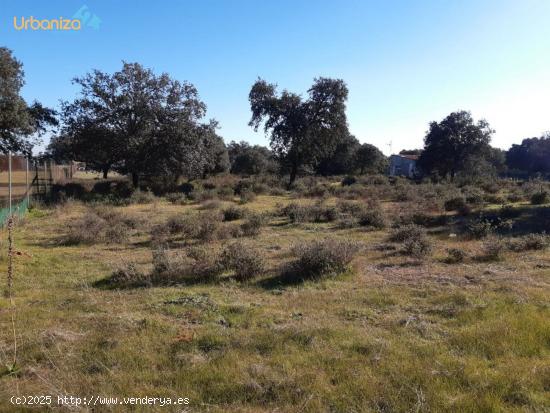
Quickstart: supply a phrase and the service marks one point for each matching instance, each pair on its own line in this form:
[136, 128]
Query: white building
[403, 165]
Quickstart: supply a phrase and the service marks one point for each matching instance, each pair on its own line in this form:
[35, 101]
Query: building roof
[411, 157]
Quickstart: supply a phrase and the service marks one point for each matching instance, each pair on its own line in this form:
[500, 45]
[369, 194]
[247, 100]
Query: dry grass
[393, 335]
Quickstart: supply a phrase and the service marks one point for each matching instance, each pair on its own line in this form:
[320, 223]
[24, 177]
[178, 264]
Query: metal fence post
[27, 180]
[9, 178]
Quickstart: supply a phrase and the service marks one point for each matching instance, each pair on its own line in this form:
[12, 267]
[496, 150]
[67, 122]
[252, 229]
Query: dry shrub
[198, 265]
[211, 204]
[88, 229]
[405, 232]
[234, 213]
[492, 249]
[418, 247]
[206, 226]
[142, 197]
[128, 276]
[252, 226]
[245, 260]
[455, 256]
[529, 242]
[317, 259]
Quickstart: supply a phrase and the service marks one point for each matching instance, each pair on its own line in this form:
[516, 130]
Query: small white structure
[403, 165]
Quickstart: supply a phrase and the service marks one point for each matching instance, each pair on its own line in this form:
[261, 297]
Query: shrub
[206, 226]
[247, 262]
[206, 264]
[233, 213]
[455, 256]
[102, 188]
[321, 258]
[418, 246]
[142, 197]
[253, 225]
[177, 224]
[176, 198]
[539, 198]
[226, 192]
[406, 232]
[116, 234]
[479, 228]
[210, 204]
[349, 180]
[128, 276]
[246, 196]
[455, 204]
[200, 264]
[372, 216]
[296, 213]
[529, 242]
[187, 188]
[87, 230]
[493, 249]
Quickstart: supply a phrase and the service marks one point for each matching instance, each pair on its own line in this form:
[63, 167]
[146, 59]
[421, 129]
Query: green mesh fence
[17, 208]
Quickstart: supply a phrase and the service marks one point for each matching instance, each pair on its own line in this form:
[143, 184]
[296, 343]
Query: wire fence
[23, 180]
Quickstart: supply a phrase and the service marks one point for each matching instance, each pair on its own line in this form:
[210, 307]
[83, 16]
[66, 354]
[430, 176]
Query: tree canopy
[21, 125]
[449, 144]
[531, 156]
[139, 123]
[302, 132]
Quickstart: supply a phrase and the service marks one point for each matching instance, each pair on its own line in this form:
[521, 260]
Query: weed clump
[128, 276]
[246, 261]
[318, 259]
[455, 256]
[252, 226]
[234, 213]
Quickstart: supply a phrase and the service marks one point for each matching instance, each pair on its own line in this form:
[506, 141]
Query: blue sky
[406, 63]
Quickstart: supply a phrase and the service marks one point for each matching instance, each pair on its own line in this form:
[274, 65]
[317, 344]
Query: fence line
[22, 178]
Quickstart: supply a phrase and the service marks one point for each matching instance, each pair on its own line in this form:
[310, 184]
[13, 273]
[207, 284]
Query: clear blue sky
[405, 62]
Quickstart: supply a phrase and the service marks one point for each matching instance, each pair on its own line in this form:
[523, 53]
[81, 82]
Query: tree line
[146, 125]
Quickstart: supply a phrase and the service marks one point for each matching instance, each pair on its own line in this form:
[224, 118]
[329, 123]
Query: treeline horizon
[145, 125]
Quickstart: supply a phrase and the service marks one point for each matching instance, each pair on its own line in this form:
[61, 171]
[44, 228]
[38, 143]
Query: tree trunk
[293, 173]
[105, 171]
[135, 179]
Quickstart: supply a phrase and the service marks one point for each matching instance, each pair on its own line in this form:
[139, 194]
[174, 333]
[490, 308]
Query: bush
[349, 180]
[419, 246]
[178, 224]
[211, 204]
[142, 197]
[246, 197]
[455, 204]
[200, 265]
[206, 226]
[455, 256]
[233, 213]
[116, 234]
[206, 264]
[371, 216]
[317, 259]
[406, 232]
[128, 276]
[176, 198]
[540, 198]
[87, 230]
[186, 188]
[247, 262]
[493, 248]
[253, 225]
[479, 228]
[529, 242]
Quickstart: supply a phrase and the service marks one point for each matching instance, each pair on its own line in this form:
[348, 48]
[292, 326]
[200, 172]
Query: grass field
[392, 334]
